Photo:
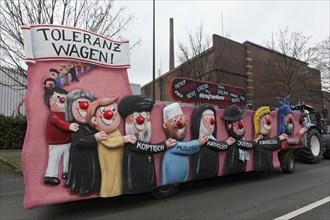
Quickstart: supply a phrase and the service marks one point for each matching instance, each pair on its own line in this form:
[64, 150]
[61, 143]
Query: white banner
[53, 42]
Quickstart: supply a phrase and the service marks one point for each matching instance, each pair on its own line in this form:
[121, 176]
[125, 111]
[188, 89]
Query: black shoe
[65, 175]
[51, 180]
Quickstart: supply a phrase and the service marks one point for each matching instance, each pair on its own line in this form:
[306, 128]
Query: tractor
[317, 142]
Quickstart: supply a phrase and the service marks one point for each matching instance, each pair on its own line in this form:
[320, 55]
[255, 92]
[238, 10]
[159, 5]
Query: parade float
[89, 137]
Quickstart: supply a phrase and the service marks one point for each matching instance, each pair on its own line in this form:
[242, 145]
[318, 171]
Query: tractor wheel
[312, 151]
[326, 139]
[287, 160]
[166, 191]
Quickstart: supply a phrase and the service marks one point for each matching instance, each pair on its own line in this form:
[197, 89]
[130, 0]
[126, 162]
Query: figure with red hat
[138, 161]
[263, 153]
[175, 164]
[58, 135]
[238, 153]
[205, 163]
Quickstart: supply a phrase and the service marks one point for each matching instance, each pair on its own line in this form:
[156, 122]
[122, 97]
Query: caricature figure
[63, 70]
[58, 135]
[78, 66]
[238, 152]
[175, 164]
[84, 168]
[49, 83]
[263, 153]
[55, 74]
[205, 163]
[103, 115]
[138, 161]
[72, 71]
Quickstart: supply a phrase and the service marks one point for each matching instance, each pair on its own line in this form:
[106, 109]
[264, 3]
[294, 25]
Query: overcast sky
[242, 20]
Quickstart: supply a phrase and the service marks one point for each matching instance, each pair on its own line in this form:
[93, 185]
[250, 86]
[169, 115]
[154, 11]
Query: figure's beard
[289, 128]
[145, 137]
[233, 134]
[204, 131]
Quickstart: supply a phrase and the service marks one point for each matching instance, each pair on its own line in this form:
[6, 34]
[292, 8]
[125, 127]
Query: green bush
[12, 132]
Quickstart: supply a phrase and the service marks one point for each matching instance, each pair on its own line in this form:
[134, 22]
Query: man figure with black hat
[238, 152]
[138, 161]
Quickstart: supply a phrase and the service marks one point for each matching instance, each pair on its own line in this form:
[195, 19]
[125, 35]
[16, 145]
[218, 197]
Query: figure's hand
[129, 139]
[230, 141]
[170, 142]
[74, 127]
[257, 139]
[100, 136]
[283, 137]
[202, 140]
[302, 130]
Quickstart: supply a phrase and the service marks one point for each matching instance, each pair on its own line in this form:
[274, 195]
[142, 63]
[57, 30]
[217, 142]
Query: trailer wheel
[326, 138]
[312, 150]
[166, 191]
[287, 160]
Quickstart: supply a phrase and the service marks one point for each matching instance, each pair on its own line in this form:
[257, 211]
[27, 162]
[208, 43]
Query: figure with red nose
[84, 167]
[238, 153]
[205, 163]
[58, 135]
[175, 164]
[138, 161]
[103, 115]
[263, 153]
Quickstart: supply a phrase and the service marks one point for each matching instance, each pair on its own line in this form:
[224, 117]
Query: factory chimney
[171, 67]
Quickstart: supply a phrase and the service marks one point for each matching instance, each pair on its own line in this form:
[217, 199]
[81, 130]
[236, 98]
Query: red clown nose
[240, 124]
[108, 114]
[83, 105]
[290, 119]
[140, 120]
[179, 124]
[268, 121]
[62, 100]
[212, 121]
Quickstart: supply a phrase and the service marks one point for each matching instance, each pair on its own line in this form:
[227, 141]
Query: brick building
[252, 67]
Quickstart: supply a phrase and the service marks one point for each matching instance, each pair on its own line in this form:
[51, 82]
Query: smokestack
[171, 67]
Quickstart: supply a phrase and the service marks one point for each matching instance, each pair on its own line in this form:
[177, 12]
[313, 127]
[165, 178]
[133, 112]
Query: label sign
[54, 42]
[189, 90]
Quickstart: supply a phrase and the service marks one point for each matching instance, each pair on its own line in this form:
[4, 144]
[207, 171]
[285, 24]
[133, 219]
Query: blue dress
[175, 164]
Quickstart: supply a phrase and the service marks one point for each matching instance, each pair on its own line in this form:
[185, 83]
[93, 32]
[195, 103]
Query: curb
[17, 169]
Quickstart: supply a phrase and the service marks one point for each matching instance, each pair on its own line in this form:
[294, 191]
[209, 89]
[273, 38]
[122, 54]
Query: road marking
[304, 209]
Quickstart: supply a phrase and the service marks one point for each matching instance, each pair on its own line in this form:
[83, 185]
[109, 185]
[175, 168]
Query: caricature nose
[179, 124]
[140, 120]
[290, 119]
[62, 100]
[268, 121]
[108, 114]
[240, 124]
[212, 121]
[83, 105]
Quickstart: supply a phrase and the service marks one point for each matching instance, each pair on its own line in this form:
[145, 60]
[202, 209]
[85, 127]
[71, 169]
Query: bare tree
[290, 60]
[98, 16]
[322, 62]
[195, 57]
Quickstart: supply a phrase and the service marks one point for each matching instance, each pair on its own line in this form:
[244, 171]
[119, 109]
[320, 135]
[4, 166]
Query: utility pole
[153, 54]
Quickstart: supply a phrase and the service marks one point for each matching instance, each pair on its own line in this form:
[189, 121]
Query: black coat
[263, 153]
[84, 168]
[138, 167]
[233, 164]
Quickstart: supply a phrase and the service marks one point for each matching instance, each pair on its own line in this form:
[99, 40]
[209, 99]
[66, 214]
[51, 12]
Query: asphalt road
[265, 195]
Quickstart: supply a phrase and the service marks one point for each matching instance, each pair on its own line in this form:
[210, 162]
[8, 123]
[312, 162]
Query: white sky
[242, 20]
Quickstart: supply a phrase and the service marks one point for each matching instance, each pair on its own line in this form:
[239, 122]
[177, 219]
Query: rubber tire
[288, 162]
[313, 151]
[326, 139]
[166, 191]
